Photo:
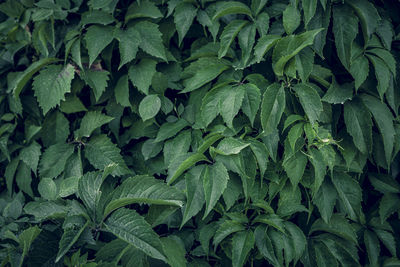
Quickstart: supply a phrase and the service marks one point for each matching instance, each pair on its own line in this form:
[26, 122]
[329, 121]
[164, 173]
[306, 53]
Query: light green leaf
[183, 17]
[177, 146]
[73, 227]
[101, 152]
[291, 19]
[229, 34]
[149, 107]
[30, 155]
[205, 70]
[230, 104]
[47, 189]
[169, 129]
[182, 167]
[90, 122]
[132, 228]
[215, 180]
[129, 41]
[349, 192]
[53, 160]
[51, 85]
[144, 189]
[142, 9]
[242, 242]
[142, 74]
[384, 120]
[264, 44]
[150, 39]
[345, 29]
[229, 146]
[194, 193]
[122, 91]
[288, 47]
[97, 38]
[272, 107]
[69, 186]
[309, 100]
[230, 7]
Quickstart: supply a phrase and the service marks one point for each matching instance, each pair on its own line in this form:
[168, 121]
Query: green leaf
[54, 159]
[43, 210]
[97, 38]
[30, 155]
[205, 70]
[246, 40]
[101, 152]
[185, 165]
[73, 227]
[264, 44]
[264, 245]
[384, 183]
[183, 17]
[175, 251]
[382, 74]
[294, 134]
[309, 100]
[142, 9]
[229, 146]
[27, 237]
[297, 239]
[388, 205]
[325, 200]
[359, 69]
[122, 91]
[225, 229]
[132, 228]
[272, 107]
[338, 225]
[149, 107]
[349, 192]
[372, 245]
[291, 18]
[387, 239]
[90, 122]
[151, 149]
[345, 29]
[295, 166]
[24, 78]
[69, 186]
[129, 41]
[368, 15]
[144, 189]
[229, 34]
[194, 193]
[386, 56]
[47, 189]
[338, 94]
[261, 153]
[231, 103]
[384, 120]
[142, 74]
[243, 242]
[309, 8]
[150, 39]
[169, 129]
[230, 7]
[177, 146]
[51, 85]
[215, 180]
[251, 101]
[72, 104]
[97, 80]
[288, 47]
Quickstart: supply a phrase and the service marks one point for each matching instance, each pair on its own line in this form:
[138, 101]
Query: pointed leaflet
[89, 192]
[97, 80]
[73, 227]
[291, 18]
[319, 164]
[251, 101]
[169, 129]
[230, 104]
[210, 106]
[345, 29]
[296, 238]
[30, 155]
[203, 70]
[47, 189]
[53, 160]
[325, 200]
[149, 107]
[26, 239]
[309, 100]
[132, 228]
[141, 74]
[174, 249]
[384, 183]
[359, 69]
[242, 243]
[295, 166]
[129, 41]
[382, 74]
[229, 34]
[272, 107]
[177, 146]
[194, 193]
[150, 39]
[230, 146]
[224, 8]
[72, 104]
[215, 180]
[90, 122]
[384, 120]
[386, 56]
[372, 245]
[309, 8]
[264, 245]
[144, 189]
[349, 192]
[184, 164]
[122, 91]
[246, 40]
[288, 47]
[101, 152]
[359, 125]
[225, 229]
[183, 18]
[338, 225]
[264, 44]
[142, 9]
[51, 85]
[338, 93]
[368, 15]
[388, 205]
[97, 38]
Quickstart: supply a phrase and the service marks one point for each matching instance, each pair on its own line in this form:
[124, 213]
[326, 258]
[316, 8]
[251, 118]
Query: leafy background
[199, 133]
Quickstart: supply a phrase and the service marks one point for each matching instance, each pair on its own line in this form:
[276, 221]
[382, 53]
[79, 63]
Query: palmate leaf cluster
[199, 133]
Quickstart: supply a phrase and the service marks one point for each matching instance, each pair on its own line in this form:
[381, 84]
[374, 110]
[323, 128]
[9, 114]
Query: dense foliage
[199, 133]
